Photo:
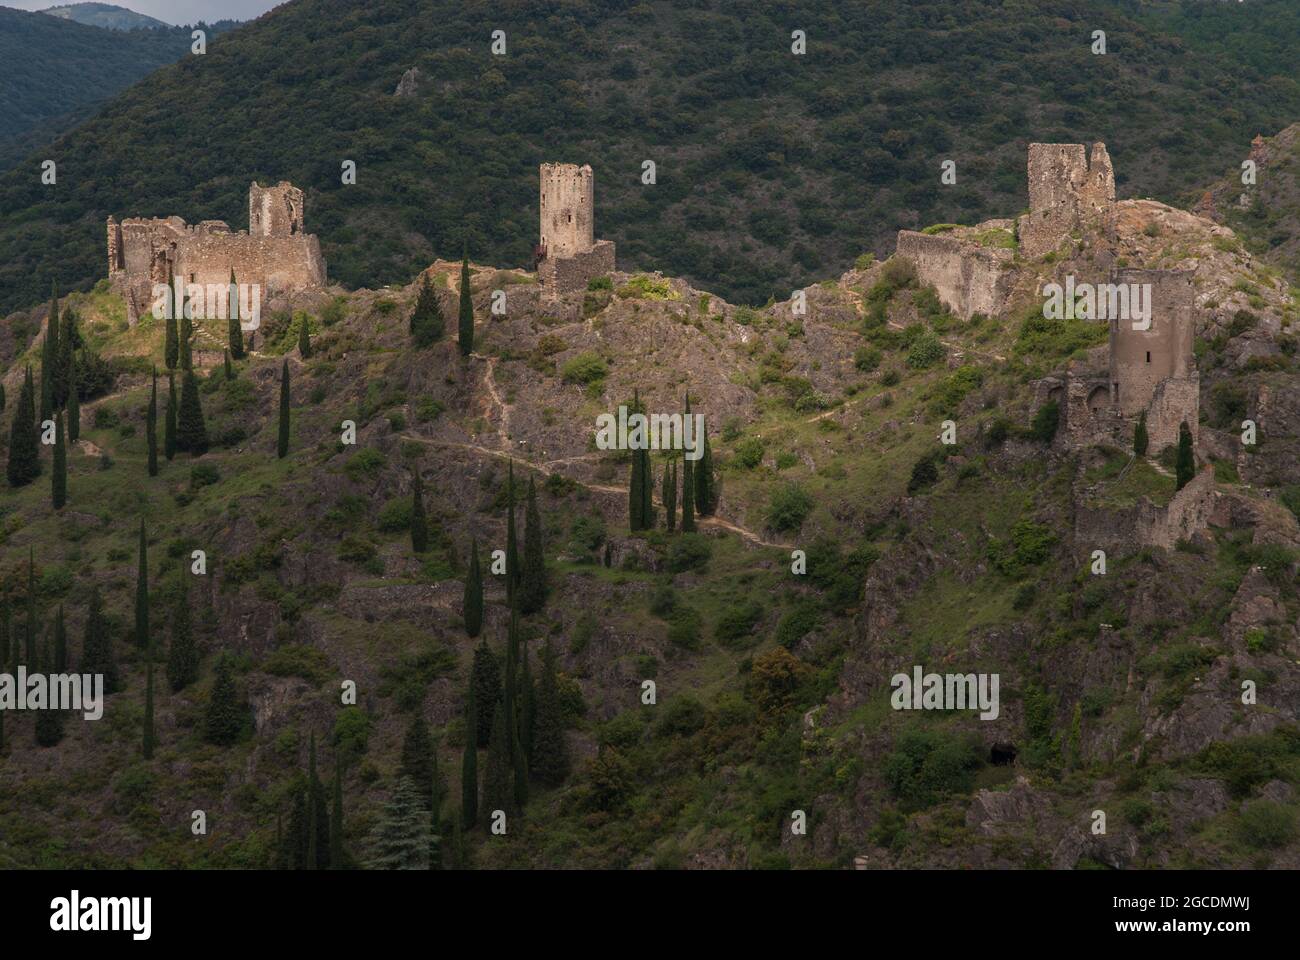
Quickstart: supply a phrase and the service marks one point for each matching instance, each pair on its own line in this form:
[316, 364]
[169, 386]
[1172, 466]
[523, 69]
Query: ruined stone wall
[1147, 525]
[561, 275]
[1067, 191]
[1140, 360]
[969, 279]
[567, 209]
[1176, 401]
[276, 211]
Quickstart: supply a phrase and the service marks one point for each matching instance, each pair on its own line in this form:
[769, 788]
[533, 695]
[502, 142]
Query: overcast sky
[171, 11]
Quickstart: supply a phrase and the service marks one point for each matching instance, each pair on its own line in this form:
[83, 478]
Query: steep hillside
[1120, 693]
[104, 15]
[817, 156]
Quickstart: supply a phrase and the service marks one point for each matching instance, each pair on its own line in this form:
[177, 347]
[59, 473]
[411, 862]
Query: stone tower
[275, 211]
[567, 205]
[1067, 191]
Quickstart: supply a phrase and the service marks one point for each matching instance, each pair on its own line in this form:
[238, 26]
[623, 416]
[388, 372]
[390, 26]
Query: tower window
[1148, 356]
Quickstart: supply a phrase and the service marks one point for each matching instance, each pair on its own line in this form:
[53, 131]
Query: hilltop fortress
[276, 252]
[568, 256]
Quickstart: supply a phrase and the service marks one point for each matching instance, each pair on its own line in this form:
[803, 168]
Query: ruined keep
[568, 256]
[276, 252]
[1068, 193]
[967, 277]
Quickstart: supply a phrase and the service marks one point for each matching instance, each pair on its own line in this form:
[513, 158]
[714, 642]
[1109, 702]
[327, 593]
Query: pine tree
[550, 760]
[282, 438]
[233, 334]
[532, 583]
[688, 486]
[338, 859]
[147, 747]
[183, 654]
[169, 422]
[401, 838]
[74, 404]
[191, 432]
[304, 339]
[60, 642]
[224, 721]
[705, 494]
[415, 763]
[469, 766]
[1140, 439]
[466, 327]
[142, 594]
[419, 522]
[171, 347]
[472, 607]
[498, 781]
[427, 322]
[97, 646]
[1185, 464]
[512, 545]
[485, 682]
[24, 453]
[151, 426]
[59, 475]
[670, 495]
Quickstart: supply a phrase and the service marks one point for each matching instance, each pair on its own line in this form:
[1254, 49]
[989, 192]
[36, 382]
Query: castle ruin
[1068, 193]
[567, 255]
[276, 252]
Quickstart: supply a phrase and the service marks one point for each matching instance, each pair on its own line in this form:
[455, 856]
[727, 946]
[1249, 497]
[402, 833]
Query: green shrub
[737, 622]
[748, 453]
[1265, 823]
[395, 515]
[927, 765]
[299, 660]
[926, 352]
[204, 474]
[797, 623]
[690, 551]
[789, 507]
[586, 368]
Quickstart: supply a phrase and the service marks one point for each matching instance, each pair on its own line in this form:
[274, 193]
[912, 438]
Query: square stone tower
[567, 199]
[1067, 191]
[275, 211]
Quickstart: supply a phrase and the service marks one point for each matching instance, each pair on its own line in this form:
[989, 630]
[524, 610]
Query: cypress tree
[224, 721]
[647, 490]
[472, 607]
[401, 838]
[191, 432]
[498, 782]
[183, 654]
[527, 708]
[705, 493]
[469, 766]
[230, 371]
[670, 495]
[59, 475]
[419, 523]
[1140, 439]
[169, 422]
[60, 642]
[74, 404]
[2, 397]
[142, 594]
[512, 701]
[532, 584]
[50, 357]
[550, 759]
[427, 323]
[282, 438]
[512, 546]
[49, 723]
[466, 330]
[186, 332]
[688, 486]
[1185, 464]
[151, 426]
[485, 685]
[415, 763]
[65, 361]
[338, 858]
[97, 646]
[147, 748]
[296, 839]
[233, 334]
[636, 483]
[24, 453]
[304, 338]
[29, 647]
[171, 348]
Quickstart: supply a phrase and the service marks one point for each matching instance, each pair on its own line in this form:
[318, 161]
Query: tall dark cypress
[670, 494]
[147, 746]
[416, 758]
[169, 420]
[550, 759]
[469, 766]
[532, 584]
[50, 357]
[485, 682]
[512, 546]
[29, 638]
[24, 453]
[466, 319]
[182, 654]
[314, 847]
[304, 338]
[59, 475]
[1185, 462]
[49, 723]
[527, 707]
[142, 593]
[97, 645]
[647, 490]
[230, 371]
[472, 607]
[706, 496]
[191, 431]
[60, 642]
[233, 334]
[498, 781]
[74, 403]
[65, 358]
[151, 426]
[282, 438]
[171, 347]
[688, 486]
[419, 522]
[513, 701]
[636, 483]
[186, 323]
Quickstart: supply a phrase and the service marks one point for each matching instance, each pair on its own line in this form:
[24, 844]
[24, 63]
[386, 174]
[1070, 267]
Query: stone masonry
[275, 253]
[568, 256]
[968, 278]
[1068, 192]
